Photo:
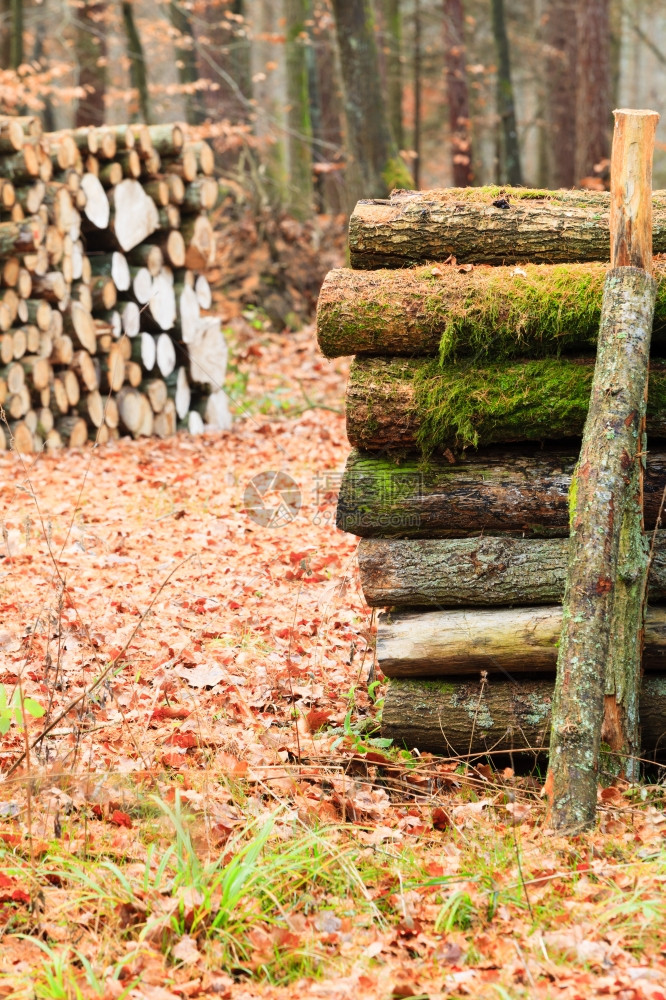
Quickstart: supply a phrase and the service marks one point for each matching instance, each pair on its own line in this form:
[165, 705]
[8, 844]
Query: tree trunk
[299, 202]
[474, 572]
[392, 40]
[187, 61]
[503, 312]
[593, 91]
[546, 227]
[91, 52]
[608, 560]
[456, 718]
[405, 403]
[456, 90]
[137, 61]
[455, 643]
[371, 145]
[560, 43]
[16, 58]
[524, 492]
[418, 86]
[505, 99]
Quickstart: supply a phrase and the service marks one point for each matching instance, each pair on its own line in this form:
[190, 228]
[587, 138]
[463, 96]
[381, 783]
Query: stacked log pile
[473, 315]
[104, 241]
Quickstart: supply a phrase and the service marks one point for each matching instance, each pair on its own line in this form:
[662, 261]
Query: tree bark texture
[631, 244]
[450, 643]
[593, 86]
[475, 572]
[299, 201]
[405, 403]
[515, 492]
[560, 44]
[506, 108]
[369, 137]
[457, 94]
[603, 489]
[461, 717]
[527, 311]
[549, 227]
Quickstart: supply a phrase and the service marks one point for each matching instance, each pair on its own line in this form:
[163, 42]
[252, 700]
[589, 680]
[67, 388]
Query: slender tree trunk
[456, 88]
[326, 94]
[392, 31]
[299, 125]
[16, 41]
[187, 60]
[91, 51]
[138, 73]
[593, 88]
[505, 98]
[560, 43]
[417, 94]
[371, 145]
[602, 632]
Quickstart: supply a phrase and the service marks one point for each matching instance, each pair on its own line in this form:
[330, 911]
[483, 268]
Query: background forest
[468, 91]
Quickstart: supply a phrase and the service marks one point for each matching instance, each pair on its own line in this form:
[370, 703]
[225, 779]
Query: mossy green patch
[463, 405]
[534, 309]
[396, 175]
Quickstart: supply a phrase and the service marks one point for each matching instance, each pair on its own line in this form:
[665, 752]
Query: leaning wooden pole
[601, 640]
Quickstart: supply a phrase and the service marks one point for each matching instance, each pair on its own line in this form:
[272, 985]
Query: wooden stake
[602, 611]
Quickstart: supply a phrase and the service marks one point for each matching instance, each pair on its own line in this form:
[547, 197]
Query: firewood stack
[473, 315]
[104, 241]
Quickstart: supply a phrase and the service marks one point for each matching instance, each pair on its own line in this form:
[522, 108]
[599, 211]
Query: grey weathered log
[461, 717]
[412, 227]
[474, 572]
[511, 641]
[516, 491]
[605, 486]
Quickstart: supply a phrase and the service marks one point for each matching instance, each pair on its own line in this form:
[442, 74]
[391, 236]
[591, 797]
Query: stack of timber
[473, 315]
[104, 244]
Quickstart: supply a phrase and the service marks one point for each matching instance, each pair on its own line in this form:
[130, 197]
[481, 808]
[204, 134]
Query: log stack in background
[104, 241]
[473, 315]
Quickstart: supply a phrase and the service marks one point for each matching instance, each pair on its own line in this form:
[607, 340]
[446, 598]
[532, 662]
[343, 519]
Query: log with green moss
[515, 491]
[474, 572]
[464, 716]
[404, 403]
[450, 642]
[500, 312]
[488, 225]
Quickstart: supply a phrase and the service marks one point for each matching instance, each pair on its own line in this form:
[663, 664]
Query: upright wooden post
[598, 668]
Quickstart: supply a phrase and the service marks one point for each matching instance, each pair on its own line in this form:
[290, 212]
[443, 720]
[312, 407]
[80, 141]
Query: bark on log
[475, 572]
[602, 630]
[457, 718]
[500, 312]
[548, 227]
[403, 403]
[506, 640]
[523, 491]
[604, 486]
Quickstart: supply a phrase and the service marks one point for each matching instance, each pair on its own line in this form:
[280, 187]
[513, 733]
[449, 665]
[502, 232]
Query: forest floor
[211, 813]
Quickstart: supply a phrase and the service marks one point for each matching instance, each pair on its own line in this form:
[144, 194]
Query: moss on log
[515, 491]
[403, 403]
[474, 572]
[549, 227]
[507, 640]
[499, 312]
[461, 717]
